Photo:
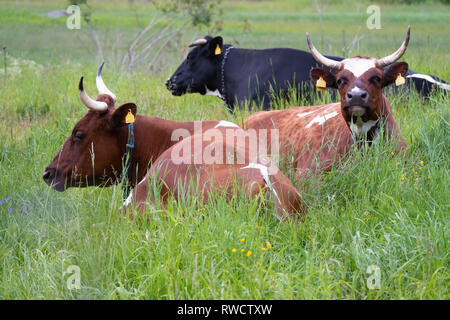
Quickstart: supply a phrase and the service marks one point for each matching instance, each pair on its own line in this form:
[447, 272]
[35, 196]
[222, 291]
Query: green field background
[377, 208]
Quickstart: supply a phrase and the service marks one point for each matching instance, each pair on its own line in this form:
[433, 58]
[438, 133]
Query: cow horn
[94, 105]
[101, 87]
[198, 42]
[383, 62]
[321, 58]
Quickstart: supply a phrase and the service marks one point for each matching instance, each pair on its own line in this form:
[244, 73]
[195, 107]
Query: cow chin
[177, 92]
[356, 111]
[62, 186]
[59, 186]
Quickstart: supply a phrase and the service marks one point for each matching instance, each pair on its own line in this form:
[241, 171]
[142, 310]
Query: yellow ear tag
[321, 85]
[130, 117]
[399, 80]
[217, 51]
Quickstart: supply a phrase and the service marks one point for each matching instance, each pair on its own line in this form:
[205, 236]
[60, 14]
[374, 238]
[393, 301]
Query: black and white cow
[239, 75]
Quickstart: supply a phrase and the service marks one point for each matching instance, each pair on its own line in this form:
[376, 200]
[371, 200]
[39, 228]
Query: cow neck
[128, 159]
[152, 136]
[386, 119]
[222, 88]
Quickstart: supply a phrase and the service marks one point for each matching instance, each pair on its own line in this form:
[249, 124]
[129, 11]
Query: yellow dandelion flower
[249, 253]
[268, 245]
[233, 250]
[420, 168]
[259, 264]
[242, 250]
[242, 240]
[421, 163]
[263, 249]
[398, 162]
[392, 153]
[264, 270]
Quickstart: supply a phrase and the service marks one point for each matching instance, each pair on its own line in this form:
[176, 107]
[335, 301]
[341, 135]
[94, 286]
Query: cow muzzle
[357, 98]
[50, 178]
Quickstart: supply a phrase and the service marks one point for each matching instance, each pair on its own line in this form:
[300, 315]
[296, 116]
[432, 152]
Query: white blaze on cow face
[355, 89]
[358, 66]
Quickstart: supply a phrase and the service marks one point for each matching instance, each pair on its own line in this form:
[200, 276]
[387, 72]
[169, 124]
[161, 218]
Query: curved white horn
[92, 104]
[383, 62]
[198, 42]
[101, 87]
[321, 58]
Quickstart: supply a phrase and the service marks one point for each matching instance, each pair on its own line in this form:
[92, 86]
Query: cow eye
[375, 79]
[78, 136]
[341, 81]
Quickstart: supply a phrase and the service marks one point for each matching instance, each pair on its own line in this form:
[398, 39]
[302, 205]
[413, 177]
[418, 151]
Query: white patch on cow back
[358, 66]
[265, 174]
[214, 93]
[307, 113]
[223, 123]
[430, 79]
[321, 119]
[304, 114]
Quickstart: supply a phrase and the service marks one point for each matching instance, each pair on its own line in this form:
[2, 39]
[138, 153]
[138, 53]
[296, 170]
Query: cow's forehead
[358, 65]
[91, 120]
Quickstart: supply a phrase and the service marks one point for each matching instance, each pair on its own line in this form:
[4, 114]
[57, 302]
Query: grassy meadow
[376, 209]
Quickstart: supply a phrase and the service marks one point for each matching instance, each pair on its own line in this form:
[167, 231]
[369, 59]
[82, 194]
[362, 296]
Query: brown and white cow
[93, 153]
[316, 136]
[227, 165]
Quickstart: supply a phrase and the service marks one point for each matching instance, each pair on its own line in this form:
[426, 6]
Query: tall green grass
[376, 208]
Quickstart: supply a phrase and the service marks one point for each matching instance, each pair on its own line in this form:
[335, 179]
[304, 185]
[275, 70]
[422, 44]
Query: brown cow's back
[310, 137]
[222, 174]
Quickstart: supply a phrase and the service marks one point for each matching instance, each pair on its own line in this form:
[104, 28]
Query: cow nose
[357, 98]
[49, 175]
[169, 84]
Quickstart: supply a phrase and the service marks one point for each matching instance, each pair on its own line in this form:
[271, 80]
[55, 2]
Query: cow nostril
[349, 95]
[47, 176]
[364, 95]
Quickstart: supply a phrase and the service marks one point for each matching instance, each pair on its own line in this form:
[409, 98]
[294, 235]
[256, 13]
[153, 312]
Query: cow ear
[216, 46]
[391, 74]
[327, 76]
[122, 115]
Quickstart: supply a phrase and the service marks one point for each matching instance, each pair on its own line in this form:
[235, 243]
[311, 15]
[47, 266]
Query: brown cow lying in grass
[94, 155]
[226, 165]
[316, 136]
[100, 138]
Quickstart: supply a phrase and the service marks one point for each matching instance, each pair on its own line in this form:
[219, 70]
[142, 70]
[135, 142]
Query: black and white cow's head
[200, 71]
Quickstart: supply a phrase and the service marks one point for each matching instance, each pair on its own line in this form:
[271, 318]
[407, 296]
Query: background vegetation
[375, 209]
